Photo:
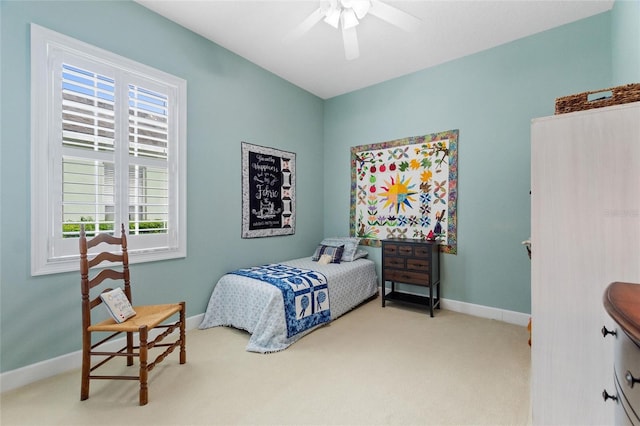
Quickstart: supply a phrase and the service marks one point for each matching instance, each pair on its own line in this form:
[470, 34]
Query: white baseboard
[511, 317]
[31, 373]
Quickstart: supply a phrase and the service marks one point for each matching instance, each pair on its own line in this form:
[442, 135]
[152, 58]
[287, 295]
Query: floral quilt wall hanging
[406, 188]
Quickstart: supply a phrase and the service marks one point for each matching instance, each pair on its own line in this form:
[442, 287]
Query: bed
[258, 307]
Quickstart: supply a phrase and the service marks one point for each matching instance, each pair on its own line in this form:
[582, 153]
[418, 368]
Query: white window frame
[50, 253]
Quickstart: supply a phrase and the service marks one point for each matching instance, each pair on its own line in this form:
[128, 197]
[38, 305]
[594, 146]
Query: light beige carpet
[373, 366]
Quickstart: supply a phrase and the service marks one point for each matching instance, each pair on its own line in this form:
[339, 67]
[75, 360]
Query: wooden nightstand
[415, 262]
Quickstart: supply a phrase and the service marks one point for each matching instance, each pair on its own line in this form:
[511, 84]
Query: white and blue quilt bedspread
[304, 292]
[255, 306]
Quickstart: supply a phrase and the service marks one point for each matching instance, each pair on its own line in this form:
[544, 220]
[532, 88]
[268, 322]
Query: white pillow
[360, 254]
[118, 305]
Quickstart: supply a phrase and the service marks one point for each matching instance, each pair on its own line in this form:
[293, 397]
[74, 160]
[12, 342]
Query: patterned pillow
[334, 252]
[350, 246]
[316, 254]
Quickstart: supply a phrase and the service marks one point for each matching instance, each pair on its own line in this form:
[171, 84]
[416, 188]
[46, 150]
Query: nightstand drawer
[395, 262]
[422, 251]
[405, 250]
[408, 277]
[418, 264]
[390, 249]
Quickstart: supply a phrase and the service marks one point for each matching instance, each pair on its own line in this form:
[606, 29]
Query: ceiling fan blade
[350, 40]
[304, 26]
[394, 16]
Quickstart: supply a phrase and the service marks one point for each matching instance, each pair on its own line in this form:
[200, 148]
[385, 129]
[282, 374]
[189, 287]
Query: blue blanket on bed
[305, 294]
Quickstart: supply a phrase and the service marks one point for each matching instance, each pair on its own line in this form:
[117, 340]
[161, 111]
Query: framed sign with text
[268, 191]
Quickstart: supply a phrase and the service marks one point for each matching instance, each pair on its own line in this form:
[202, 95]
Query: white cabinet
[585, 234]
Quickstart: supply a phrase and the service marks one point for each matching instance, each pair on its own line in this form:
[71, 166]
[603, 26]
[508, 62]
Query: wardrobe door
[585, 234]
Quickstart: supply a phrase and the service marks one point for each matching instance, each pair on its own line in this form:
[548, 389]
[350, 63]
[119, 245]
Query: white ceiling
[315, 62]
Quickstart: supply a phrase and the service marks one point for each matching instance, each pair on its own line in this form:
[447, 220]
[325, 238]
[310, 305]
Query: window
[108, 147]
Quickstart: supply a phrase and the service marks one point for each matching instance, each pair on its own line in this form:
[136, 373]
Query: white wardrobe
[585, 234]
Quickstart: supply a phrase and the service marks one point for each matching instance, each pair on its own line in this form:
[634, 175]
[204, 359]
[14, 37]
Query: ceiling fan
[346, 14]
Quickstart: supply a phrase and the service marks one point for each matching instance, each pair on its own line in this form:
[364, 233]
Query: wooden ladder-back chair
[146, 318]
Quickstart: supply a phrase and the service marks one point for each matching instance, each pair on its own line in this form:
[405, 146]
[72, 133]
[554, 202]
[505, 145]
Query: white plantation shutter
[148, 173]
[88, 157]
[109, 147]
[87, 109]
[148, 123]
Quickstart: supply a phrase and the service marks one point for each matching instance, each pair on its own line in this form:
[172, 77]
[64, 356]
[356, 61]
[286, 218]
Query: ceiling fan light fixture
[333, 17]
[361, 7]
[347, 14]
[349, 19]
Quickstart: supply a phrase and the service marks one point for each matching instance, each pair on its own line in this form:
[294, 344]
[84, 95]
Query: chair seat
[148, 315]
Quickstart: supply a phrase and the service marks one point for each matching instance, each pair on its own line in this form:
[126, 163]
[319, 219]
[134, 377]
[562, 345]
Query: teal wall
[626, 42]
[490, 97]
[229, 100]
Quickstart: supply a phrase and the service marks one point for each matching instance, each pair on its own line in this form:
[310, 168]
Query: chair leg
[144, 387]
[129, 348]
[86, 367]
[183, 336]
